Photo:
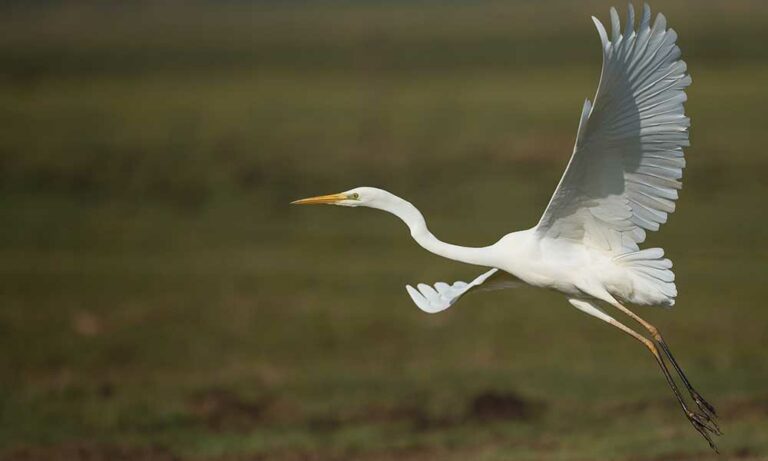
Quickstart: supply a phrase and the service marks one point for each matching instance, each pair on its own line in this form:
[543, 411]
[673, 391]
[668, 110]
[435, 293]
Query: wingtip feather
[615, 25]
[601, 31]
[645, 22]
[421, 302]
[630, 27]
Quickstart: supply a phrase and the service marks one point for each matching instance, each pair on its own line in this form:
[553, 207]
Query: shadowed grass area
[160, 298]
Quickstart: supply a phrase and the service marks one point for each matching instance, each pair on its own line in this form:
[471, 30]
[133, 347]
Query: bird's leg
[700, 422]
[706, 408]
[703, 405]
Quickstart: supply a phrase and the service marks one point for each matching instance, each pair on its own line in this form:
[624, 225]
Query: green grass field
[161, 300]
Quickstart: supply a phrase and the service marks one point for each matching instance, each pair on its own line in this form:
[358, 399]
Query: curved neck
[412, 217]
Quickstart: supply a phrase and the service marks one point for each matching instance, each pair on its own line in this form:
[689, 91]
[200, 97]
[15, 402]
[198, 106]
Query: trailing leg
[706, 408]
[700, 422]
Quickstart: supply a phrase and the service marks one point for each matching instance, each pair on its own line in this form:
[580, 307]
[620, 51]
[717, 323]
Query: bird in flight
[622, 180]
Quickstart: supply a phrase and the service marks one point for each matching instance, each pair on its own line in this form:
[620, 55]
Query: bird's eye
[355, 196]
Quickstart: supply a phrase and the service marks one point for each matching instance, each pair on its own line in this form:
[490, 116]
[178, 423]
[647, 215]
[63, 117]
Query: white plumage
[441, 296]
[622, 181]
[626, 166]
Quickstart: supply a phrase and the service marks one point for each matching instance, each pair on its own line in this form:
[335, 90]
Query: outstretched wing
[441, 296]
[623, 176]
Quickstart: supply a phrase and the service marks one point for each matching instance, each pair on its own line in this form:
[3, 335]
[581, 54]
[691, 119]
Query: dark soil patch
[223, 410]
[484, 407]
[377, 414]
[492, 406]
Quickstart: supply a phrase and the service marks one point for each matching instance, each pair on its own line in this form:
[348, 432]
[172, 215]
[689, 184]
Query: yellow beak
[327, 199]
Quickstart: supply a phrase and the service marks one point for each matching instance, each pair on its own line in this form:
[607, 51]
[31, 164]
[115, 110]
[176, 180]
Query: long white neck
[412, 217]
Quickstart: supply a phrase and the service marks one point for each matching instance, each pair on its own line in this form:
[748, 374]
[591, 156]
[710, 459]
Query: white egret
[621, 181]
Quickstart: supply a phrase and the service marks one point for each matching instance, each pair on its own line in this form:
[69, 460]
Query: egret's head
[359, 196]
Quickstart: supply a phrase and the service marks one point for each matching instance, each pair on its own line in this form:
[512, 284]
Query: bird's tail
[653, 282]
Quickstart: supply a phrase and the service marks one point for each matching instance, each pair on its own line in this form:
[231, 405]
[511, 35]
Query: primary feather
[441, 296]
[625, 170]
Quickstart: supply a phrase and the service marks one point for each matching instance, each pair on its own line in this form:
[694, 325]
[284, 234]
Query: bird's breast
[555, 265]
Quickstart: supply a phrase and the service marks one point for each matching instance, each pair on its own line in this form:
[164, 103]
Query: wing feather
[625, 170]
[443, 295]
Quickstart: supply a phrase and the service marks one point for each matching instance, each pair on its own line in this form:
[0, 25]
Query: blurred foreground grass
[160, 297]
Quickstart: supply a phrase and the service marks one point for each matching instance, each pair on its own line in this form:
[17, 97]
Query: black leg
[700, 422]
[703, 405]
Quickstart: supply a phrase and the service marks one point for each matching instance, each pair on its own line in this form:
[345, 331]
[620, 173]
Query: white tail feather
[653, 282]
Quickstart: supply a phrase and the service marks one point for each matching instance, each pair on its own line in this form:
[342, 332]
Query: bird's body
[572, 269]
[575, 270]
[621, 181]
[568, 266]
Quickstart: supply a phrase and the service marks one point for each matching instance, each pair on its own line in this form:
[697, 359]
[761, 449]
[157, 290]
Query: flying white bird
[622, 180]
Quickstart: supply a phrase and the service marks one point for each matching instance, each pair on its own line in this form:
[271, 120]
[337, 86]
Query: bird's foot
[705, 426]
[707, 410]
[706, 407]
[705, 421]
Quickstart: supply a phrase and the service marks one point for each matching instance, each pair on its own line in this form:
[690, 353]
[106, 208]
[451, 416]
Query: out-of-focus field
[160, 299]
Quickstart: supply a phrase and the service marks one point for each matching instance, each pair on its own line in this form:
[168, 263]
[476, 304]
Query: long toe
[704, 431]
[704, 428]
[710, 418]
[703, 404]
[705, 422]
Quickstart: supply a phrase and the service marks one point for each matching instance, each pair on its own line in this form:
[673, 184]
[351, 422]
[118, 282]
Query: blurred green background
[160, 299]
